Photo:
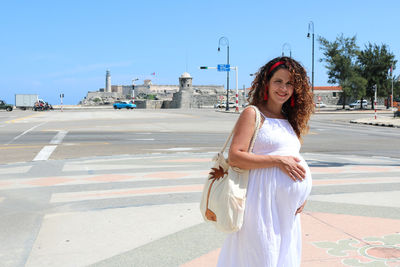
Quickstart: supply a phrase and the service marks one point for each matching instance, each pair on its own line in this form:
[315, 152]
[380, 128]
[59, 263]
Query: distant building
[330, 95]
[174, 96]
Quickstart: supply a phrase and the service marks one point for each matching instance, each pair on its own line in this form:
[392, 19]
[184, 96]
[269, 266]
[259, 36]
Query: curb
[383, 124]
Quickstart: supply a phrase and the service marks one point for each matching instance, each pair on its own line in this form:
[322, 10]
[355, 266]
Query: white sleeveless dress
[271, 232]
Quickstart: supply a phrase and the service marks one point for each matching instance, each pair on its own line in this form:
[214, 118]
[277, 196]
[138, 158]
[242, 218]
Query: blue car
[123, 104]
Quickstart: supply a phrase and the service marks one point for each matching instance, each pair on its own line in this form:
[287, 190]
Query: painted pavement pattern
[143, 211]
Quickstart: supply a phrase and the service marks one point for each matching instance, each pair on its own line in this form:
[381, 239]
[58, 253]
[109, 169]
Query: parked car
[4, 105]
[124, 104]
[320, 105]
[357, 104]
[231, 105]
[217, 105]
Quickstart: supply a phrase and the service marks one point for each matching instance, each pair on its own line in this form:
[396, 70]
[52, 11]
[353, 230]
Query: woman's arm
[239, 157]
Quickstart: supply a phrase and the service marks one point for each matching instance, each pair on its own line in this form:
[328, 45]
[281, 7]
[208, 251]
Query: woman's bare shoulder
[247, 116]
[249, 112]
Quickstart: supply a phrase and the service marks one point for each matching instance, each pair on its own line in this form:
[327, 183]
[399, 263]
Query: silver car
[357, 104]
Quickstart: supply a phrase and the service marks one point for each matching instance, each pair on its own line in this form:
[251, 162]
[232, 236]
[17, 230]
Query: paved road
[121, 188]
[73, 134]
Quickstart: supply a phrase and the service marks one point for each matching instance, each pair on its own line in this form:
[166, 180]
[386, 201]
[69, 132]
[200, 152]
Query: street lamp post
[133, 89]
[225, 41]
[311, 26]
[283, 49]
[391, 97]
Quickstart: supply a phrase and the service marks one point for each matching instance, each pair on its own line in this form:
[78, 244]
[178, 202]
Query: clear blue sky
[53, 47]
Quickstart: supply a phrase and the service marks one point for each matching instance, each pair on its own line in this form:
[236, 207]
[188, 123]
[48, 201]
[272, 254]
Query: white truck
[25, 101]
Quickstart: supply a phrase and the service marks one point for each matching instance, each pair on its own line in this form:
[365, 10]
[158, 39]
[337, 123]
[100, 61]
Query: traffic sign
[224, 67]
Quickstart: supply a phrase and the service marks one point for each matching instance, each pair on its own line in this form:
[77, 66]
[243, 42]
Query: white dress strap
[255, 131]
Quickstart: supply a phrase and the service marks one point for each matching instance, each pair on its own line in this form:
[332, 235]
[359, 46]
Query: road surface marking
[98, 167]
[57, 139]
[26, 117]
[16, 147]
[45, 153]
[15, 170]
[27, 131]
[126, 192]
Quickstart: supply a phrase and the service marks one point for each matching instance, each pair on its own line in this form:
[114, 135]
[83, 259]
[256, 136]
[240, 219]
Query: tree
[340, 57]
[374, 63]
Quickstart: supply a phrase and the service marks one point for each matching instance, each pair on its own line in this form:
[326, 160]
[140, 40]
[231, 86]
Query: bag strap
[255, 132]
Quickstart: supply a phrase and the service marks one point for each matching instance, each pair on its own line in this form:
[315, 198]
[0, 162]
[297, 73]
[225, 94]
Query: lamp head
[308, 35]
[219, 49]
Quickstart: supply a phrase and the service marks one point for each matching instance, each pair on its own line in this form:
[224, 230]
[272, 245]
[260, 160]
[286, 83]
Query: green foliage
[374, 62]
[340, 58]
[358, 71]
[151, 97]
[97, 99]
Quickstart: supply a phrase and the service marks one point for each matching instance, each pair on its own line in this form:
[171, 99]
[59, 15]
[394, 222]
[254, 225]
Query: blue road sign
[224, 67]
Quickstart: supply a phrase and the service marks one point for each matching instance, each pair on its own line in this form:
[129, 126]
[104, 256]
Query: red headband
[271, 69]
[276, 65]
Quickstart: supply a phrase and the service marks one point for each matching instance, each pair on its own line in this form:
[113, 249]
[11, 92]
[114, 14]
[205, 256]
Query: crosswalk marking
[14, 170]
[99, 167]
[18, 183]
[127, 192]
[57, 139]
[45, 153]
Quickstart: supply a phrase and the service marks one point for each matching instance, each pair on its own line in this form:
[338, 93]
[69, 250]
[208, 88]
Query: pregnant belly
[294, 193]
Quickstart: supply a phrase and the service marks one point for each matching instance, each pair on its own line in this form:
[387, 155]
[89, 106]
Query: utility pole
[376, 90]
[61, 99]
[226, 42]
[311, 26]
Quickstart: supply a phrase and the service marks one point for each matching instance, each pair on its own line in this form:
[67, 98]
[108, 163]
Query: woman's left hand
[301, 208]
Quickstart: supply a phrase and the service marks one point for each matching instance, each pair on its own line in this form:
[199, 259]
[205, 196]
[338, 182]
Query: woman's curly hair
[298, 115]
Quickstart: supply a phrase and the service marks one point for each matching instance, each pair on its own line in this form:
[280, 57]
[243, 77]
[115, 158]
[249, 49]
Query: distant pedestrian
[279, 179]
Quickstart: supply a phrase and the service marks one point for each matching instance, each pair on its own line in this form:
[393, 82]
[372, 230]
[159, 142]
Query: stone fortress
[147, 95]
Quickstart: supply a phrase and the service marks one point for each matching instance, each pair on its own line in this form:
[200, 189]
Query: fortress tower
[108, 82]
[185, 95]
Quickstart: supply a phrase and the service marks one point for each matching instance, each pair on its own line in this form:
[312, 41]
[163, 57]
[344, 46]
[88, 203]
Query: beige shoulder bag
[224, 194]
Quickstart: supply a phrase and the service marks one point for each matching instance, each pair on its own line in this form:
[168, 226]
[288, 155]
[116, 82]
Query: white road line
[124, 193]
[27, 131]
[57, 139]
[98, 167]
[45, 153]
[15, 170]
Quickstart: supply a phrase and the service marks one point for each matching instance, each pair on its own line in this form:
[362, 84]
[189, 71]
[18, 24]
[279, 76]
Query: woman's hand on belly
[291, 167]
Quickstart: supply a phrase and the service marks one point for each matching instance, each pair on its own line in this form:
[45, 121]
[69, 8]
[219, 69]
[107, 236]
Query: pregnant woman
[279, 179]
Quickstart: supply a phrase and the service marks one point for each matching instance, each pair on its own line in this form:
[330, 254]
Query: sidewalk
[143, 210]
[379, 121]
[329, 110]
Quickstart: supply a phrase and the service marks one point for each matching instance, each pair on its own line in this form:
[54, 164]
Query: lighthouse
[108, 82]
